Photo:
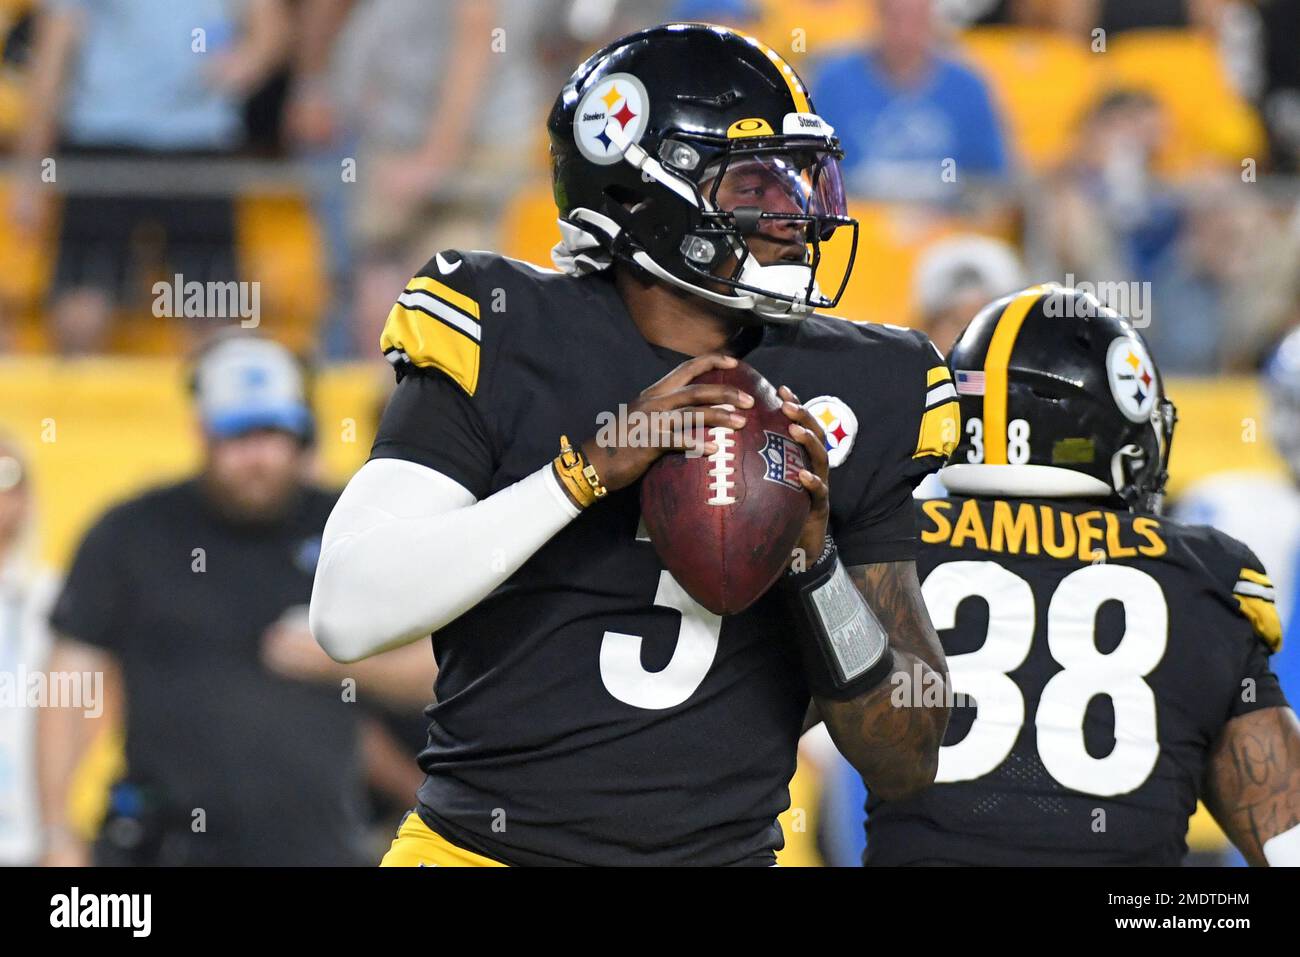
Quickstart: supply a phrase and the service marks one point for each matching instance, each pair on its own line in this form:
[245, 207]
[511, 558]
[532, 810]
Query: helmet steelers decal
[1132, 377]
[618, 104]
[838, 422]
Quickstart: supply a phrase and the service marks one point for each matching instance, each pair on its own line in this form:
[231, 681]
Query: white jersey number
[1071, 622]
[697, 645]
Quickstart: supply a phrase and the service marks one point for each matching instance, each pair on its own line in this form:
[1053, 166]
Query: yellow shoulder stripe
[940, 428]
[936, 375]
[430, 343]
[1264, 619]
[445, 293]
[1259, 578]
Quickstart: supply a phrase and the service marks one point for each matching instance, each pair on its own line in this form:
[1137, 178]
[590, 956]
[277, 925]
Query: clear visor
[776, 208]
[802, 183]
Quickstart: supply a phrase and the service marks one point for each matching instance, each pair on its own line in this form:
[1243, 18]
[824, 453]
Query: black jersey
[1096, 656]
[275, 763]
[588, 710]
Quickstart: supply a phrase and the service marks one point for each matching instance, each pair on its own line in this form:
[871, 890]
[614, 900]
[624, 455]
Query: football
[724, 525]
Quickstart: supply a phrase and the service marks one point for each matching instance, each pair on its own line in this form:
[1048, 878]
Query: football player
[588, 710]
[1108, 666]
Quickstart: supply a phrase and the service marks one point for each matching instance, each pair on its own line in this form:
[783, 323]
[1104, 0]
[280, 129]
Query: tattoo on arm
[894, 593]
[1252, 782]
[892, 733]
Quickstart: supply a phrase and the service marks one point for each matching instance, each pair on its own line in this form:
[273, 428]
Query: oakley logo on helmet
[1132, 377]
[754, 126]
[612, 112]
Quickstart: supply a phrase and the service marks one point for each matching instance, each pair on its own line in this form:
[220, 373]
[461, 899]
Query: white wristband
[1283, 850]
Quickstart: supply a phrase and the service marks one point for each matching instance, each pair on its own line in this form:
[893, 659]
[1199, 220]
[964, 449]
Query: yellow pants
[417, 846]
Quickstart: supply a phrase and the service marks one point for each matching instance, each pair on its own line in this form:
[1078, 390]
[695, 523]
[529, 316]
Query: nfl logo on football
[784, 460]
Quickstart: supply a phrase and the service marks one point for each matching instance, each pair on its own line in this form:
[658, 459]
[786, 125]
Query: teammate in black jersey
[1118, 662]
[588, 710]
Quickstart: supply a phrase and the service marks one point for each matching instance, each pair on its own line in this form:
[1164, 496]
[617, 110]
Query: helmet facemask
[779, 203]
[786, 193]
[1140, 477]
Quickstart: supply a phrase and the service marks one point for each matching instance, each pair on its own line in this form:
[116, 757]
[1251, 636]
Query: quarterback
[588, 710]
[1118, 661]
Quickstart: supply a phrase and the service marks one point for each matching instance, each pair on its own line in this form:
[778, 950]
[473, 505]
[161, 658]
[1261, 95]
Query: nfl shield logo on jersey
[838, 422]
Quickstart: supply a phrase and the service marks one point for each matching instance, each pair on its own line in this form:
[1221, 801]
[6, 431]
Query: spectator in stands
[403, 86]
[242, 740]
[956, 278]
[1280, 96]
[139, 80]
[902, 109]
[1111, 215]
[26, 593]
[439, 105]
[1218, 265]
[1220, 291]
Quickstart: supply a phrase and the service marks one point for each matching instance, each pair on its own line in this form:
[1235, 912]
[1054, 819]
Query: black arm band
[845, 649]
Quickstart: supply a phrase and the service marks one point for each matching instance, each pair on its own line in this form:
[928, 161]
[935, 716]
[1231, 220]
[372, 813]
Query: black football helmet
[670, 147]
[1062, 395]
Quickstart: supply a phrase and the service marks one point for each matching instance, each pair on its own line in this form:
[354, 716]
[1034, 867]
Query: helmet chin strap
[792, 276]
[580, 252]
[786, 279]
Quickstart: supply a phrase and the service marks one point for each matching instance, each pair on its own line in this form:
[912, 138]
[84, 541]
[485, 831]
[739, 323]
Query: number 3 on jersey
[1071, 621]
[697, 645]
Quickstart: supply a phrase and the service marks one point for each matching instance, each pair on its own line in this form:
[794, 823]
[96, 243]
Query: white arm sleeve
[407, 550]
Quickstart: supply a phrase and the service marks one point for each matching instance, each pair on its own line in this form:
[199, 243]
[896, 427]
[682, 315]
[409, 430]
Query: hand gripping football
[724, 525]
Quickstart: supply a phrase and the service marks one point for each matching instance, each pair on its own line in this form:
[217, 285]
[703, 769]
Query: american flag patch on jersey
[784, 458]
[969, 383]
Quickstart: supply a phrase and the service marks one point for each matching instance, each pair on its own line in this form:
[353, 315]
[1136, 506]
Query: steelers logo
[1132, 378]
[838, 422]
[611, 110]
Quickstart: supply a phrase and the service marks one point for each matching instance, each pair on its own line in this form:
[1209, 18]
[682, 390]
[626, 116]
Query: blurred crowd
[323, 149]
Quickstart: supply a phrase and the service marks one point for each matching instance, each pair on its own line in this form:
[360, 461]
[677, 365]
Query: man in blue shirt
[137, 82]
[901, 108]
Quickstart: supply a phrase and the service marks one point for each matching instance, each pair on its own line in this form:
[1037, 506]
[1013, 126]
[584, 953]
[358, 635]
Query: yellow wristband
[577, 475]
